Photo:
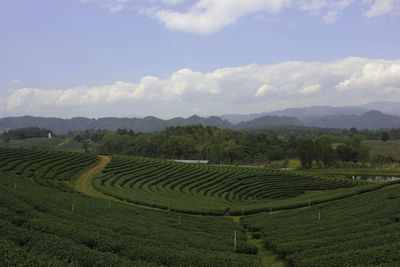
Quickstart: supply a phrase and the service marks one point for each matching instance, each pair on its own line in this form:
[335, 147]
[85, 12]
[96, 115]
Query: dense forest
[313, 146]
[24, 133]
[232, 147]
[337, 133]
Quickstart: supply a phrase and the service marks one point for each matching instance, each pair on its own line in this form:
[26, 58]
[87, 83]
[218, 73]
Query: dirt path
[83, 184]
[267, 257]
[63, 142]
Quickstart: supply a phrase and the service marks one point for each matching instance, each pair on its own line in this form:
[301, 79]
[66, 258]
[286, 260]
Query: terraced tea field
[44, 223]
[322, 221]
[57, 144]
[205, 189]
[359, 231]
[53, 168]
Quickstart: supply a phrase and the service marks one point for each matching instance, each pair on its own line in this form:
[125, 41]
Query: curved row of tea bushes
[363, 230]
[213, 190]
[54, 168]
[49, 226]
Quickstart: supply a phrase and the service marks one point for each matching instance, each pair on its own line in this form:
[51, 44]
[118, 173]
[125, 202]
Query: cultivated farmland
[307, 220]
[216, 190]
[362, 230]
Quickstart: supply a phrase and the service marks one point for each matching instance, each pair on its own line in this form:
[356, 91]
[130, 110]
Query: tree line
[224, 145]
[24, 133]
[228, 146]
[336, 133]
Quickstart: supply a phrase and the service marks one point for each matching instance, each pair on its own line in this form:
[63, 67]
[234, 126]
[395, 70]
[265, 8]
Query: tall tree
[384, 136]
[306, 152]
[324, 149]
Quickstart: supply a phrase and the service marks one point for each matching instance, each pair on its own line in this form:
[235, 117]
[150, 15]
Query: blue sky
[171, 58]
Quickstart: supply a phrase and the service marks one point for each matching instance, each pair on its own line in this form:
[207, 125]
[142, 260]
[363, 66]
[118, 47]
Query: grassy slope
[45, 225]
[52, 144]
[389, 148]
[48, 205]
[358, 231]
[215, 190]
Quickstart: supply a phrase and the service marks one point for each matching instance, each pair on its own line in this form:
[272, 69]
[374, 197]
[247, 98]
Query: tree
[324, 149]
[275, 152]
[345, 152]
[306, 152]
[356, 140]
[291, 145]
[121, 131]
[231, 151]
[85, 146]
[385, 136]
[78, 138]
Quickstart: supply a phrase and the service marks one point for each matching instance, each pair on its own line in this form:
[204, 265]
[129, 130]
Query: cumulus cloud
[329, 9]
[382, 7]
[252, 88]
[210, 16]
[311, 89]
[383, 75]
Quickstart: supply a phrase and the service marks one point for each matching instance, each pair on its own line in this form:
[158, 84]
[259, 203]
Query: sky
[168, 58]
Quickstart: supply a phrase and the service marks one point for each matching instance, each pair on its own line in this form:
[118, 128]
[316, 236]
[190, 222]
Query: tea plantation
[307, 220]
[216, 190]
[359, 231]
[45, 224]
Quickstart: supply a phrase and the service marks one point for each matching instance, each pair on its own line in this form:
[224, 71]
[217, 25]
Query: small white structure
[191, 161]
[49, 135]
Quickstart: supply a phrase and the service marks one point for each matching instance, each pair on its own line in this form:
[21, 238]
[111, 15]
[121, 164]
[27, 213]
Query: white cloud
[112, 6]
[172, 2]
[382, 75]
[382, 7]
[329, 9]
[311, 89]
[253, 88]
[312, 5]
[331, 17]
[210, 16]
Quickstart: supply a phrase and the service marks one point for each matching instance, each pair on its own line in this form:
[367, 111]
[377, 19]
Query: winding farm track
[83, 183]
[63, 142]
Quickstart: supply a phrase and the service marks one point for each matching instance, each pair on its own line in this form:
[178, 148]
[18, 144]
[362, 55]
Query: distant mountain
[318, 116]
[237, 118]
[267, 121]
[147, 124]
[391, 108]
[318, 111]
[370, 120]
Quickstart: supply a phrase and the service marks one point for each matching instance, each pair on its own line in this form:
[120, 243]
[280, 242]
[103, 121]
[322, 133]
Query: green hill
[360, 231]
[45, 223]
[321, 221]
[46, 143]
[207, 189]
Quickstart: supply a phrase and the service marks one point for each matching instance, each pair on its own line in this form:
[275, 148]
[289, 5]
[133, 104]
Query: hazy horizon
[176, 58]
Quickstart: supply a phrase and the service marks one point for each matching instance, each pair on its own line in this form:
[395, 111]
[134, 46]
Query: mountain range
[391, 108]
[147, 124]
[318, 116]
